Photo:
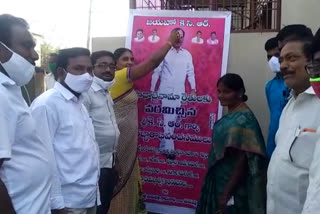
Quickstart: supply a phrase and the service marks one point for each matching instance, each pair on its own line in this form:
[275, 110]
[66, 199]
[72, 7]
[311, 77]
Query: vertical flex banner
[178, 102]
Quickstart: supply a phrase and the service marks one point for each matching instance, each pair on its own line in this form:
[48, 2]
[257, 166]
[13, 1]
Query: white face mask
[103, 84]
[274, 64]
[18, 68]
[79, 83]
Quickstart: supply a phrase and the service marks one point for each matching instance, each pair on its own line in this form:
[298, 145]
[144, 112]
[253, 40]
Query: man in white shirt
[173, 71]
[288, 173]
[213, 39]
[139, 36]
[67, 126]
[49, 78]
[312, 204]
[22, 154]
[100, 108]
[154, 38]
[197, 39]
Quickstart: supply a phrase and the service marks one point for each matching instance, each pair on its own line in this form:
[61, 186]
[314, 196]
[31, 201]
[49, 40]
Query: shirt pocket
[302, 149]
[284, 141]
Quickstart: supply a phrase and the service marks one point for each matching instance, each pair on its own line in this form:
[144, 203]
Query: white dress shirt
[153, 39]
[26, 167]
[100, 107]
[136, 39]
[173, 71]
[70, 132]
[196, 40]
[312, 204]
[288, 172]
[212, 42]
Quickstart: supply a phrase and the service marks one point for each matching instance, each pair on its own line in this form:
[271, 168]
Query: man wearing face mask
[49, 79]
[276, 92]
[22, 153]
[312, 205]
[100, 107]
[69, 130]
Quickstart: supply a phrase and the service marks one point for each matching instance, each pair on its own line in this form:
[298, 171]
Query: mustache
[286, 71]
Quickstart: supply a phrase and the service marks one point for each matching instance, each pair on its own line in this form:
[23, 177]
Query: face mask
[18, 68]
[274, 64]
[52, 67]
[315, 83]
[79, 83]
[103, 84]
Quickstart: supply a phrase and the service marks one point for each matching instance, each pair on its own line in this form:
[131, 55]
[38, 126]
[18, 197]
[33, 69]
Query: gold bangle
[169, 43]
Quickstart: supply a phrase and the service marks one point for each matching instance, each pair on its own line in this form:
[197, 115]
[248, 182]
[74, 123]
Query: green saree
[238, 131]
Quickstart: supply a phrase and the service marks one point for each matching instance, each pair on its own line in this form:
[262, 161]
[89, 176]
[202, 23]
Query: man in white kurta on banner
[173, 72]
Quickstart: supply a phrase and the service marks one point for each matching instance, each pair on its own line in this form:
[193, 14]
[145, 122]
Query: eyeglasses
[313, 69]
[105, 66]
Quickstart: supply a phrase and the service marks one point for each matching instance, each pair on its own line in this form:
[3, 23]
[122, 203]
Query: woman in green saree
[235, 182]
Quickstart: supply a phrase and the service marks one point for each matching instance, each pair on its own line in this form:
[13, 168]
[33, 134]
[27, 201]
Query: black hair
[98, 54]
[119, 52]
[139, 30]
[6, 23]
[65, 54]
[199, 32]
[307, 45]
[39, 70]
[215, 33]
[271, 44]
[177, 28]
[297, 31]
[235, 83]
[316, 43]
[53, 55]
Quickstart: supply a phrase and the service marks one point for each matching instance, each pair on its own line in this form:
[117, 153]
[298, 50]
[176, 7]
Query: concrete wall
[247, 56]
[108, 43]
[301, 12]
[248, 59]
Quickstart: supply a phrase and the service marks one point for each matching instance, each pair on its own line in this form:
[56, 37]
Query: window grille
[247, 15]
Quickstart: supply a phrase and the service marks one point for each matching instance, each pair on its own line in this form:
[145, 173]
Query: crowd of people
[73, 151]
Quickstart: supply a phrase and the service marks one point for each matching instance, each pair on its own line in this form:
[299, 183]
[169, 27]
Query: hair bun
[245, 98]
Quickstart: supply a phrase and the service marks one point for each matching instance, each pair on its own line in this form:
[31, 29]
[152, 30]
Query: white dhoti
[169, 119]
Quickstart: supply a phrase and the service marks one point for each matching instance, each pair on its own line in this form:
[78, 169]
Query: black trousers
[107, 182]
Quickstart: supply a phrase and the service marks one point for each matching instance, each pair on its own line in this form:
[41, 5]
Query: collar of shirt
[65, 92]
[139, 39]
[4, 80]
[278, 76]
[96, 87]
[308, 91]
[174, 49]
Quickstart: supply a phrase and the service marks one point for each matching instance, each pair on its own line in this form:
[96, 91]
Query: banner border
[184, 14]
